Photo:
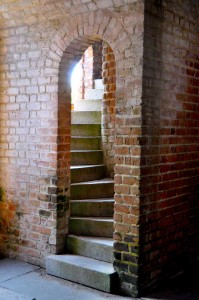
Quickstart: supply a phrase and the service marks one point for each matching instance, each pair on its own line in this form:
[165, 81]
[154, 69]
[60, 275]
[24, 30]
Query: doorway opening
[92, 153]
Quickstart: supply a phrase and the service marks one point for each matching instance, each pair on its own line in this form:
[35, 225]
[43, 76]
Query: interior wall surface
[170, 145]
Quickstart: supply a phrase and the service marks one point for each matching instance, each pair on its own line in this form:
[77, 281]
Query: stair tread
[85, 151]
[85, 137]
[84, 262]
[96, 240]
[104, 180]
[86, 166]
[94, 200]
[99, 219]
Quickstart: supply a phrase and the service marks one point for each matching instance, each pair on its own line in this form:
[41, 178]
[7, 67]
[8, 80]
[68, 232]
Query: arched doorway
[70, 43]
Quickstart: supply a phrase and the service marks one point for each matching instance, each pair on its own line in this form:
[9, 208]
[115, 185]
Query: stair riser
[91, 209]
[86, 158]
[94, 94]
[86, 117]
[85, 129]
[99, 84]
[85, 143]
[88, 105]
[100, 252]
[89, 227]
[87, 174]
[92, 191]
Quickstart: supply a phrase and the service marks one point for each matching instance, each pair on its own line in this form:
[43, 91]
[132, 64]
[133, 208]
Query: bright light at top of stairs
[75, 82]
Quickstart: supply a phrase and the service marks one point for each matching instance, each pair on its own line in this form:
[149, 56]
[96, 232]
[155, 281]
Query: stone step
[86, 157]
[93, 247]
[85, 129]
[86, 117]
[87, 271]
[99, 84]
[92, 207]
[85, 143]
[93, 94]
[87, 173]
[92, 189]
[91, 226]
[88, 105]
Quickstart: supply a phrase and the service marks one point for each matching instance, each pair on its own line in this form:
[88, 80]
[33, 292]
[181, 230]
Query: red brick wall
[35, 122]
[169, 228]
[91, 66]
[108, 108]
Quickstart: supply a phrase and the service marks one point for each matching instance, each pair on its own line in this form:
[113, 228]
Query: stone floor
[22, 281]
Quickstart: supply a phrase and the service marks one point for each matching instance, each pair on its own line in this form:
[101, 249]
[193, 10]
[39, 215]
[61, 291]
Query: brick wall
[91, 68]
[169, 156]
[97, 60]
[108, 108]
[38, 53]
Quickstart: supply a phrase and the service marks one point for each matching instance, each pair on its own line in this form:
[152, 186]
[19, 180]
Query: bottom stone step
[87, 271]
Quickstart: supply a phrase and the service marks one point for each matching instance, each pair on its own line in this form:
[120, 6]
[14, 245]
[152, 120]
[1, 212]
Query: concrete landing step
[86, 157]
[87, 173]
[85, 129]
[92, 189]
[93, 94]
[93, 247]
[85, 143]
[87, 271]
[92, 208]
[88, 105]
[86, 117]
[91, 226]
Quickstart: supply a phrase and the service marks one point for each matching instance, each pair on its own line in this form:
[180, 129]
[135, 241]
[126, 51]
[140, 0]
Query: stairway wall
[38, 55]
[109, 139]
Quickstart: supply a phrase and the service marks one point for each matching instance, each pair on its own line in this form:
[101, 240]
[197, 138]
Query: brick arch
[89, 27]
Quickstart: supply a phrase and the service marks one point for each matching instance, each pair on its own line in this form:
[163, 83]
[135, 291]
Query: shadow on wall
[169, 209]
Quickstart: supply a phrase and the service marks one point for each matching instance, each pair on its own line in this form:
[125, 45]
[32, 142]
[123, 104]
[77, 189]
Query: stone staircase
[89, 242]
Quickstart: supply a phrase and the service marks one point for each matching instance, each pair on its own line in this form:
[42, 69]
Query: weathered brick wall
[91, 68]
[97, 60]
[87, 70]
[170, 143]
[38, 52]
[108, 108]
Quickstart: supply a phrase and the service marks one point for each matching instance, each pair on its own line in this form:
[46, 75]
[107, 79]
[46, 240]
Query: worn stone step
[93, 94]
[85, 143]
[87, 173]
[87, 271]
[92, 189]
[86, 117]
[92, 207]
[86, 157]
[85, 129]
[91, 226]
[88, 105]
[93, 247]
